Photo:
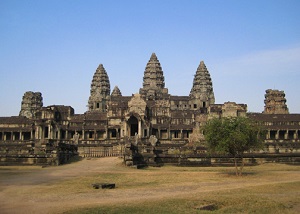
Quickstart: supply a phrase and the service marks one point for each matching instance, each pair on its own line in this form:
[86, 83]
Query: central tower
[153, 81]
[202, 95]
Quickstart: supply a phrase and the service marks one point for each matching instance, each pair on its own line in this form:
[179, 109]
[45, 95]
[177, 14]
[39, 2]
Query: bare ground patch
[68, 187]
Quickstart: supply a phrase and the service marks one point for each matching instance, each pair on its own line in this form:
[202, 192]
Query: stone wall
[190, 156]
[36, 153]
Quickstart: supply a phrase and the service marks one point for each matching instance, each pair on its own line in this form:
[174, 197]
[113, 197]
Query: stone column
[50, 132]
[117, 134]
[83, 134]
[286, 135]
[31, 134]
[268, 134]
[125, 128]
[277, 135]
[37, 131]
[140, 129]
[95, 135]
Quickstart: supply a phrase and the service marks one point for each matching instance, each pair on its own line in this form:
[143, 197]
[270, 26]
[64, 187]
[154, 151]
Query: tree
[233, 136]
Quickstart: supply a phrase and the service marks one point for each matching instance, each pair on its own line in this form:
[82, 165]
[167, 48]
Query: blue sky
[55, 47]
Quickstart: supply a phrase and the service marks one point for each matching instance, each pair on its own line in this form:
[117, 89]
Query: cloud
[266, 62]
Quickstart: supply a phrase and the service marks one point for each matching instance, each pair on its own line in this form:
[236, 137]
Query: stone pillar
[125, 128]
[286, 134]
[59, 134]
[140, 129]
[37, 132]
[296, 135]
[50, 132]
[43, 132]
[117, 134]
[268, 134]
[95, 135]
[31, 134]
[83, 134]
[277, 135]
[40, 132]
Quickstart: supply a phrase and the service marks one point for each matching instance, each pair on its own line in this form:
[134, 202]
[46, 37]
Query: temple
[53, 134]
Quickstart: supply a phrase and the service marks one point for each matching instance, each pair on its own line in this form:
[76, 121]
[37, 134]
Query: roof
[278, 121]
[215, 107]
[179, 98]
[121, 98]
[95, 116]
[182, 114]
[16, 129]
[181, 126]
[77, 118]
[275, 117]
[15, 120]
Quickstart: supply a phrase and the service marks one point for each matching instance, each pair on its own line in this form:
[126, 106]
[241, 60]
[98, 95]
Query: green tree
[233, 136]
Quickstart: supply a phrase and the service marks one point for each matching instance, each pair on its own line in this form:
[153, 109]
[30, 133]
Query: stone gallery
[152, 120]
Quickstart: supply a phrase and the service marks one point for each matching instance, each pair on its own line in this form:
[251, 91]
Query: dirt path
[16, 188]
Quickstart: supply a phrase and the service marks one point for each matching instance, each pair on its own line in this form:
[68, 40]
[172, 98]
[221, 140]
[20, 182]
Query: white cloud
[244, 79]
[266, 62]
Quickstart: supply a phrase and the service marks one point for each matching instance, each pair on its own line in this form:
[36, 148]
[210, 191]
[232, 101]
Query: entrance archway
[133, 125]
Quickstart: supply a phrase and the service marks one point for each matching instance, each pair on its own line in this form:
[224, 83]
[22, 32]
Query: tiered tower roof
[153, 75]
[31, 102]
[100, 87]
[275, 102]
[202, 85]
[153, 80]
[116, 92]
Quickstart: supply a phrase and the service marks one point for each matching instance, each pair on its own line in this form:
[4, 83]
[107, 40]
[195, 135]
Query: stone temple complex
[159, 124]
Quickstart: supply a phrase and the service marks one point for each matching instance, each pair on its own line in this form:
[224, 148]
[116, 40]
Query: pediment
[137, 105]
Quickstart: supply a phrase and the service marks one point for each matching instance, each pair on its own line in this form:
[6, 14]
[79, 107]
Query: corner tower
[153, 81]
[31, 103]
[202, 95]
[275, 102]
[100, 90]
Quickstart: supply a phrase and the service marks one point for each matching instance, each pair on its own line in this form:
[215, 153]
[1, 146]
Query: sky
[55, 47]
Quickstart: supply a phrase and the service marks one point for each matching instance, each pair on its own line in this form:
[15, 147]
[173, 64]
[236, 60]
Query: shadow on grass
[233, 173]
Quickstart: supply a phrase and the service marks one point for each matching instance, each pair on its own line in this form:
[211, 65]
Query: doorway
[133, 124]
